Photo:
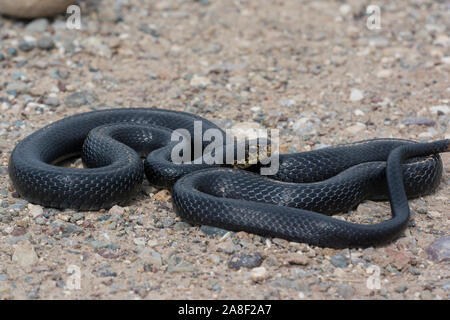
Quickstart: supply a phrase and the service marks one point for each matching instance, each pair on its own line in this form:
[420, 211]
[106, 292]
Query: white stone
[258, 274]
[345, 9]
[200, 81]
[442, 40]
[440, 109]
[35, 210]
[359, 112]
[139, 241]
[151, 257]
[425, 134]
[384, 74]
[152, 243]
[287, 102]
[250, 130]
[356, 95]
[24, 255]
[117, 210]
[237, 81]
[19, 87]
[306, 125]
[37, 25]
[94, 45]
[298, 259]
[175, 50]
[356, 128]
[430, 133]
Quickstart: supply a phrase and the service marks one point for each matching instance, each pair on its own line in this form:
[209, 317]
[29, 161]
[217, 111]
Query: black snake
[293, 204]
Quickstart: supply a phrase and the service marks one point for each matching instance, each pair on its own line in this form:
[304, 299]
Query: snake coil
[294, 204]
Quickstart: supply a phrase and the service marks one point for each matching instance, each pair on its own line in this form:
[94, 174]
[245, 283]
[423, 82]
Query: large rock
[33, 8]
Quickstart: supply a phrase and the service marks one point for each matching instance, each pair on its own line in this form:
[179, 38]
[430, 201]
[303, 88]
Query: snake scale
[296, 203]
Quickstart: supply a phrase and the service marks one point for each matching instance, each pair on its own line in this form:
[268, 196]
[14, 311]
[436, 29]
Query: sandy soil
[313, 69]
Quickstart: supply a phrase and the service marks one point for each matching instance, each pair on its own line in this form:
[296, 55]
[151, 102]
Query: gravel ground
[310, 68]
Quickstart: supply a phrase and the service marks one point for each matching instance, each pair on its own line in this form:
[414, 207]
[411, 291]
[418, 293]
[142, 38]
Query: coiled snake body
[294, 204]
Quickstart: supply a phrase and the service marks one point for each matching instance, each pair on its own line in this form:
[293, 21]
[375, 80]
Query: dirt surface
[312, 69]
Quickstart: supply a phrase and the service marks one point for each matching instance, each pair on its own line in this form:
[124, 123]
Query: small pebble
[80, 98]
[24, 255]
[287, 102]
[346, 291]
[199, 81]
[398, 259]
[12, 52]
[356, 95]
[298, 259]
[401, 288]
[150, 29]
[26, 46]
[168, 222]
[414, 271]
[76, 217]
[421, 210]
[37, 25]
[181, 225]
[52, 102]
[439, 250]
[117, 210]
[139, 241]
[19, 205]
[45, 43]
[98, 245]
[356, 128]
[213, 231]
[440, 110]
[66, 228]
[227, 247]
[183, 266]
[384, 74]
[35, 210]
[339, 261]
[258, 274]
[426, 295]
[345, 9]
[150, 257]
[419, 121]
[63, 74]
[245, 260]
[17, 88]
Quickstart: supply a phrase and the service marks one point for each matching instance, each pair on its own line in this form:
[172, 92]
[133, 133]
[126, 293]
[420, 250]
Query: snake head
[256, 150]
